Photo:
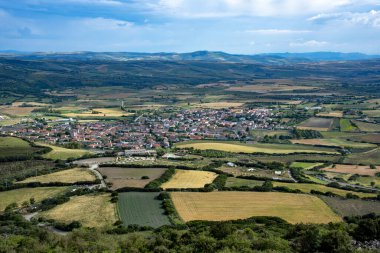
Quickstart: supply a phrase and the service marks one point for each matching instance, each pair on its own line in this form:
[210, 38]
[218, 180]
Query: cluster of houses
[149, 131]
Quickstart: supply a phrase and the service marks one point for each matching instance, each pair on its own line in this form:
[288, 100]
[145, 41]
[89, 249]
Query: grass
[367, 127]
[24, 194]
[346, 126]
[369, 157]
[141, 208]
[262, 133]
[60, 153]
[89, 210]
[189, 179]
[353, 169]
[304, 165]
[372, 113]
[17, 169]
[239, 182]
[334, 143]
[306, 188]
[217, 206]
[352, 207]
[254, 148]
[65, 176]
[129, 177]
[337, 114]
[13, 147]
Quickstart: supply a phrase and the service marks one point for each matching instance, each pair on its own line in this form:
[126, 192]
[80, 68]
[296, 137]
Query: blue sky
[234, 26]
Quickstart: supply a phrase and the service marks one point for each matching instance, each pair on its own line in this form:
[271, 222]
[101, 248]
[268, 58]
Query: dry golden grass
[336, 114]
[189, 179]
[17, 111]
[20, 195]
[89, 210]
[255, 148]
[65, 176]
[218, 206]
[219, 105]
[353, 169]
[100, 112]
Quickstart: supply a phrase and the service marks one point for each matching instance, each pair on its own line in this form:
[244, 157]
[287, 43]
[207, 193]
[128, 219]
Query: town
[148, 131]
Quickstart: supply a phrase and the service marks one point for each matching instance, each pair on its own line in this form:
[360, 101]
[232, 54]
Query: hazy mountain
[208, 56]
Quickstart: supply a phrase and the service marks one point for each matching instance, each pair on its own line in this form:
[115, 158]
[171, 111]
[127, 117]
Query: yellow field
[90, 211]
[336, 114]
[65, 176]
[219, 105]
[100, 112]
[62, 153]
[218, 206]
[20, 195]
[189, 179]
[238, 148]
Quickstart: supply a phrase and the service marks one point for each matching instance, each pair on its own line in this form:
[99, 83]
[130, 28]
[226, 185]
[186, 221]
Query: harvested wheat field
[189, 179]
[89, 210]
[65, 176]
[218, 206]
[353, 169]
[335, 114]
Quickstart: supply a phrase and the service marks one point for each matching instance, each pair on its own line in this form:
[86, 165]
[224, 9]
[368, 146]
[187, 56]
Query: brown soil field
[319, 124]
[370, 138]
[129, 177]
[353, 169]
[17, 111]
[190, 179]
[218, 206]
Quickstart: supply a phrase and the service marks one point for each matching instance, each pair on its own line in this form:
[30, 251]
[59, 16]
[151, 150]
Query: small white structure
[278, 172]
[231, 164]
[251, 169]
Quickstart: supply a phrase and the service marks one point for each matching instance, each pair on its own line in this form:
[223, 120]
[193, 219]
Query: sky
[233, 26]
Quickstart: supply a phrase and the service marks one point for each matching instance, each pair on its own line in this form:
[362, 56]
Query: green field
[369, 157]
[59, 153]
[346, 126]
[306, 188]
[15, 147]
[367, 127]
[254, 148]
[141, 208]
[296, 157]
[239, 182]
[352, 207]
[20, 195]
[304, 165]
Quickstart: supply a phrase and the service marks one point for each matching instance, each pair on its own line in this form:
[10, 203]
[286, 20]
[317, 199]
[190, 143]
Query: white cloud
[309, 44]
[371, 18]
[278, 31]
[106, 24]
[228, 8]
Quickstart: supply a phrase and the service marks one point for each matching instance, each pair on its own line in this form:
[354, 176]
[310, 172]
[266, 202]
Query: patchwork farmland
[217, 206]
[353, 169]
[141, 208]
[120, 177]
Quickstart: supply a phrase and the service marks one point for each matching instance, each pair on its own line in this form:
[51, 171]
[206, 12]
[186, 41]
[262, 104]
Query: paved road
[291, 176]
[93, 168]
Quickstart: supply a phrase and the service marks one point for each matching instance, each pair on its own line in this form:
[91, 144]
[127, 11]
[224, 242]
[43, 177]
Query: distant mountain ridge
[209, 56]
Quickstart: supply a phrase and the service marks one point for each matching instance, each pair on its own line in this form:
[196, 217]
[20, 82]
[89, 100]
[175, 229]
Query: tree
[372, 166]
